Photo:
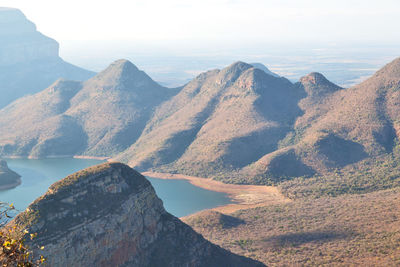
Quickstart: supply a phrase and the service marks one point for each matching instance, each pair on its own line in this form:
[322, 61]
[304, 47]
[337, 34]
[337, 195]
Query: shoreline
[91, 157]
[60, 157]
[11, 186]
[243, 196]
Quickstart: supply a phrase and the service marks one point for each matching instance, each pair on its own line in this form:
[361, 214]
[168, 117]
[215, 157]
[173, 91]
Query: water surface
[179, 196]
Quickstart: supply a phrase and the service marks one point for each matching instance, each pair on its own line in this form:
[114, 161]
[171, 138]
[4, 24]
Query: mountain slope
[238, 125]
[29, 61]
[99, 117]
[221, 112]
[110, 215]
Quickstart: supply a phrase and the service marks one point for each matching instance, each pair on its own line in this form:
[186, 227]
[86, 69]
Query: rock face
[29, 61]
[20, 40]
[8, 178]
[109, 215]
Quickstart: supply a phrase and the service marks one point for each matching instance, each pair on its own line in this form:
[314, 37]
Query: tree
[13, 251]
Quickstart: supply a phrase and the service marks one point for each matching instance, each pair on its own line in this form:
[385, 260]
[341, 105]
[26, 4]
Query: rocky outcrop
[29, 60]
[8, 178]
[110, 215]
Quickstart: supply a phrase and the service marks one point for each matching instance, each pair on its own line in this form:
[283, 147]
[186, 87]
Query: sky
[206, 22]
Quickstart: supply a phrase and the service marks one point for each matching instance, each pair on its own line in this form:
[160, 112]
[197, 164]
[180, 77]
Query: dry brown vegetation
[348, 230]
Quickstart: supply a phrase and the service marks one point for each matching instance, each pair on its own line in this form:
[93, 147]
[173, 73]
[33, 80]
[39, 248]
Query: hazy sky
[226, 21]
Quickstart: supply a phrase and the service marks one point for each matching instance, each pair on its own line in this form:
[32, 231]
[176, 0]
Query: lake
[179, 196]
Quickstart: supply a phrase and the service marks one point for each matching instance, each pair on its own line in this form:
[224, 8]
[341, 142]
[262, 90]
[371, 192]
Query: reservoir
[179, 196]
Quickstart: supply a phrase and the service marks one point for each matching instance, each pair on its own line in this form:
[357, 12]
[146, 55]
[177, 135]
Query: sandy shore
[243, 196]
[91, 157]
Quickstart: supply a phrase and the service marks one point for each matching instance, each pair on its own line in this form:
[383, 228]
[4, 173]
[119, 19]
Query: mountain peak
[314, 78]
[123, 74]
[232, 72]
[122, 67]
[316, 84]
[238, 65]
[7, 9]
[262, 67]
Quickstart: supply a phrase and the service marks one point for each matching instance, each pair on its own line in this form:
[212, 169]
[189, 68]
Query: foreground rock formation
[109, 215]
[29, 60]
[8, 178]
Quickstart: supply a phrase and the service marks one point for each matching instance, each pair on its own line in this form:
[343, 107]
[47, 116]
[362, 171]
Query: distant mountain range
[29, 61]
[239, 124]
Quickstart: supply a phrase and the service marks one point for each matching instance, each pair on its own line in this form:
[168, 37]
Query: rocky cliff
[21, 41]
[8, 178]
[29, 60]
[109, 215]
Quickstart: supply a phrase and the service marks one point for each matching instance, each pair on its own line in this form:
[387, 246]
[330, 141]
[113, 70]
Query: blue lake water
[179, 196]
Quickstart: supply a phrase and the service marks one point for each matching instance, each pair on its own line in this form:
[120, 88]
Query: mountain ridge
[102, 113]
[238, 125]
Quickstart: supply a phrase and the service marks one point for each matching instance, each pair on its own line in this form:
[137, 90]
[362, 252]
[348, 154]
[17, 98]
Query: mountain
[8, 178]
[238, 125]
[29, 61]
[262, 67]
[110, 215]
[99, 117]
[222, 120]
[341, 127]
